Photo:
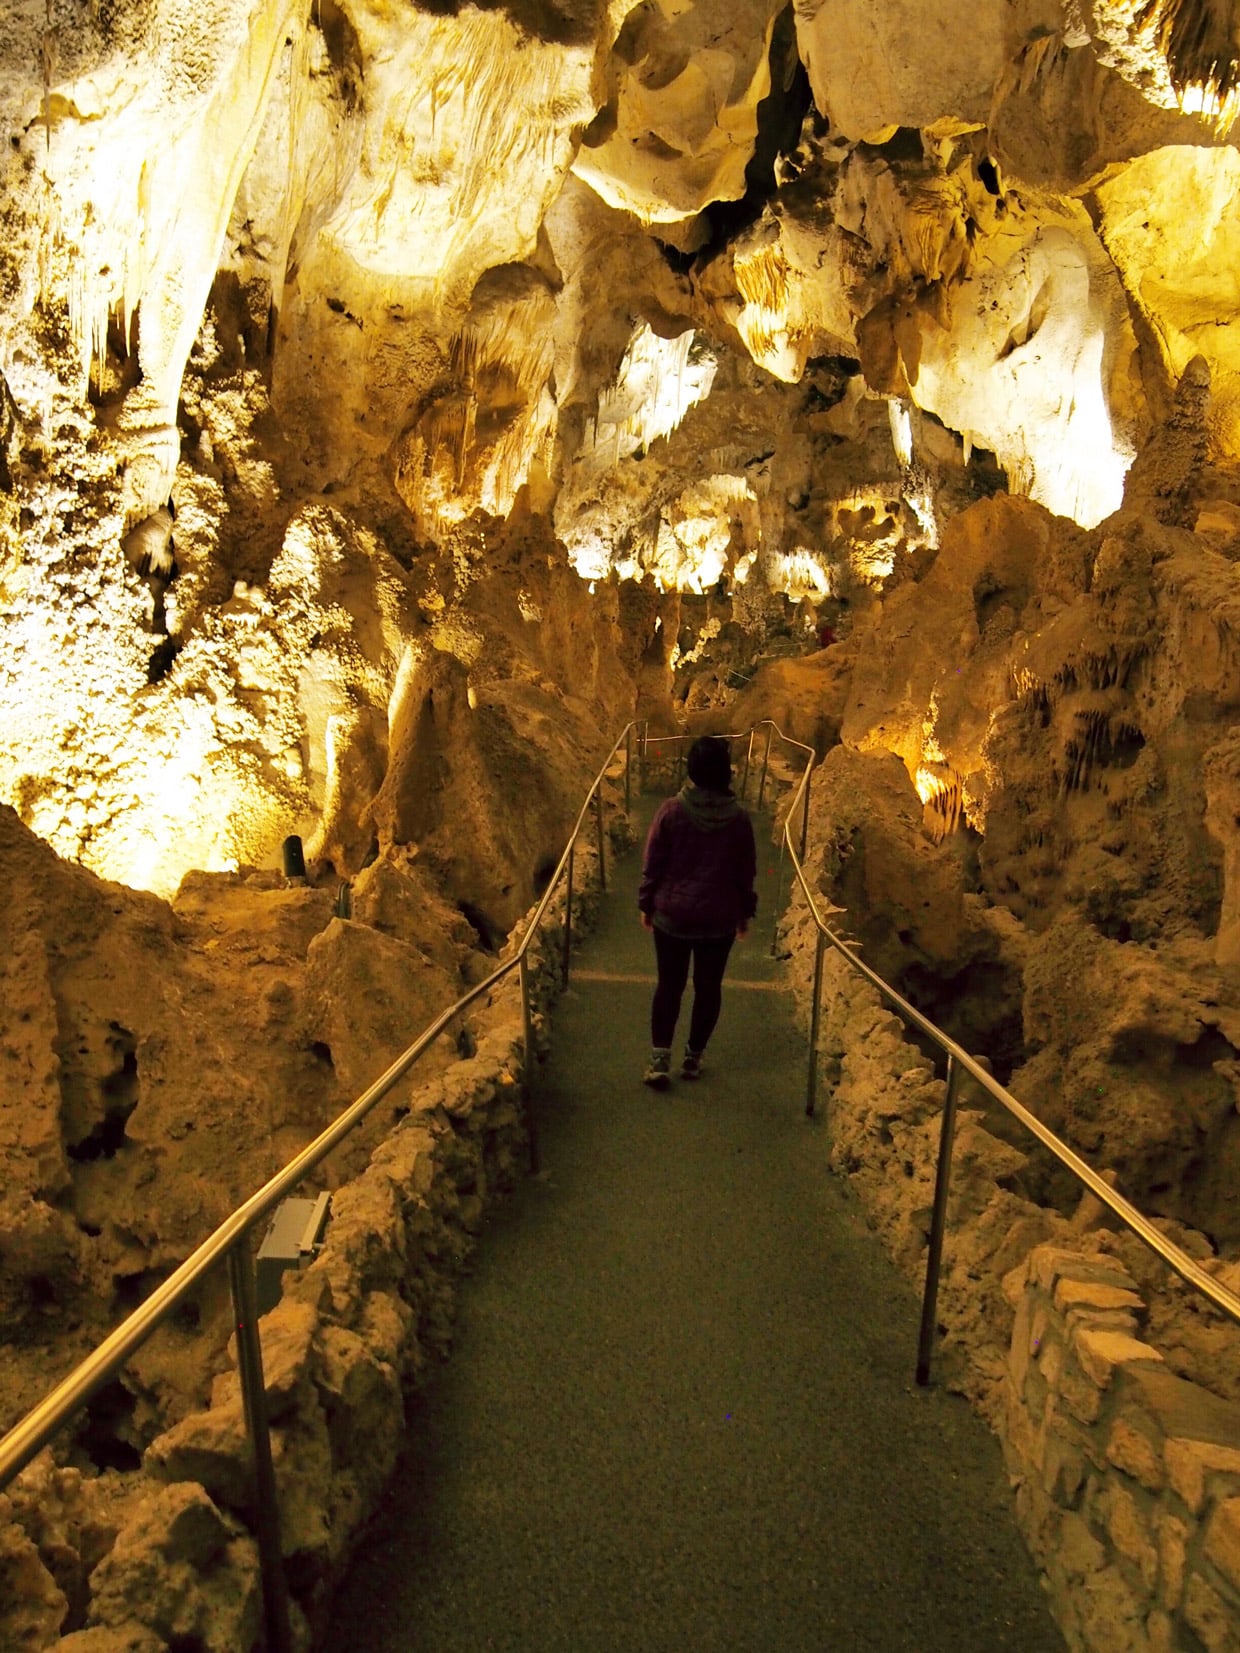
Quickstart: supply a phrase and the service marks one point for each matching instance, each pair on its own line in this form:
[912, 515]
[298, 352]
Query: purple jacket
[700, 864]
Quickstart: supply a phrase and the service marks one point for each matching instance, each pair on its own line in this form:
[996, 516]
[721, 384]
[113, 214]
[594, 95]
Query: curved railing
[958, 1061]
[230, 1241]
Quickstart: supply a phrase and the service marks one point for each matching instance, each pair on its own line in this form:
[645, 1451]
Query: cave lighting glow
[800, 573]
[658, 381]
[928, 785]
[701, 528]
[1041, 406]
[1199, 99]
[871, 557]
[590, 555]
[901, 431]
[920, 501]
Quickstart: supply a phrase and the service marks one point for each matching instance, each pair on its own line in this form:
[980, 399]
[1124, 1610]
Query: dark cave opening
[106, 1138]
[107, 1419]
[490, 935]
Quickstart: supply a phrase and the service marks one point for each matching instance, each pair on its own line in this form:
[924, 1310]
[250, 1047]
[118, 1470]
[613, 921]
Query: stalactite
[762, 278]
[943, 797]
[1198, 41]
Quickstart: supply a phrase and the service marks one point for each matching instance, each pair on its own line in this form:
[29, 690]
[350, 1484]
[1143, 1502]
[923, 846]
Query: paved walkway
[680, 1413]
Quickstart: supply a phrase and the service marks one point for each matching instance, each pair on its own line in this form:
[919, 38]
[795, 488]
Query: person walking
[696, 896]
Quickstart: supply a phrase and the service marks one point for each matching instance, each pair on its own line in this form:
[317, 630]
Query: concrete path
[680, 1413]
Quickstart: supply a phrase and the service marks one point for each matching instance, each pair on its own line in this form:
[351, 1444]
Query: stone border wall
[164, 1555]
[1126, 1477]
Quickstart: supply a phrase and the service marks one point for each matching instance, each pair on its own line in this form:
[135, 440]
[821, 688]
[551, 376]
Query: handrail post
[628, 770]
[766, 758]
[568, 909]
[779, 889]
[641, 776]
[938, 1225]
[680, 764]
[528, 1034]
[809, 780]
[602, 859]
[745, 771]
[811, 1088]
[254, 1397]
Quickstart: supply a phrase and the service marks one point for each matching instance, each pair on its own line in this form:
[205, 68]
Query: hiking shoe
[691, 1067]
[659, 1074]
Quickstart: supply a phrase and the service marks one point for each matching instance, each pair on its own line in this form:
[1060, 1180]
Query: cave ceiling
[297, 301]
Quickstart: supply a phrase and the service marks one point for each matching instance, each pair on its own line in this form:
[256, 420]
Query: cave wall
[391, 404]
[320, 274]
[1022, 816]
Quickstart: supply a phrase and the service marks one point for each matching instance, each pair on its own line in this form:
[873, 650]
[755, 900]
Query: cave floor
[680, 1412]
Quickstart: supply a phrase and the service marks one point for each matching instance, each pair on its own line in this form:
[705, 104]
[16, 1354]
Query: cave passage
[680, 1412]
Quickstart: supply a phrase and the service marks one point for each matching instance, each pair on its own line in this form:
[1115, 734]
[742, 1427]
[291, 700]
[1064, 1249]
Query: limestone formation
[395, 402]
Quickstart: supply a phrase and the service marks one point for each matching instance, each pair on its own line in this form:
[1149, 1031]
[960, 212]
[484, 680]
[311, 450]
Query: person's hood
[708, 810]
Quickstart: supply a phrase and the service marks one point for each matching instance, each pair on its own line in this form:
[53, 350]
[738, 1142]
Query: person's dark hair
[710, 763]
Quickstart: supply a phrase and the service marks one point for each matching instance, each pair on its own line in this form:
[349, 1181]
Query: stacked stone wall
[1127, 1477]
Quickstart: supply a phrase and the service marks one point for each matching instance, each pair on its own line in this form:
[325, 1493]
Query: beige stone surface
[1077, 1278]
[1129, 1527]
[170, 1047]
[210, 1449]
[37, 1605]
[183, 1568]
[1086, 1295]
[367, 997]
[1130, 1448]
[1190, 1462]
[874, 66]
[1172, 262]
[1222, 1544]
[1100, 1352]
[1173, 1535]
[1109, 1611]
[1210, 1616]
[1160, 1632]
[124, 1638]
[680, 121]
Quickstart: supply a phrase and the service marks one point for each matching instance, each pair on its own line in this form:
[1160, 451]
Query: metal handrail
[958, 1060]
[228, 1242]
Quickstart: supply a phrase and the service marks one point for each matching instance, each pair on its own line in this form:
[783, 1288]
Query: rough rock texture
[186, 1568]
[439, 268]
[193, 1048]
[1023, 824]
[391, 401]
[1021, 817]
[107, 1094]
[162, 1555]
[1126, 1476]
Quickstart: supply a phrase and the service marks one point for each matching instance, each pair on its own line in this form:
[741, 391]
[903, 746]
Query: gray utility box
[293, 1241]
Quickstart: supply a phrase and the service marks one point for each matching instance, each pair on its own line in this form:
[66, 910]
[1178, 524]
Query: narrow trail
[680, 1411]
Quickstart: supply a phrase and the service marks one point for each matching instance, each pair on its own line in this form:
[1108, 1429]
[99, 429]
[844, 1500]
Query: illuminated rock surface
[392, 403]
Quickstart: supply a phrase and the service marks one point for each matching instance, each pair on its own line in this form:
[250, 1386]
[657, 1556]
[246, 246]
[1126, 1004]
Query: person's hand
[647, 922]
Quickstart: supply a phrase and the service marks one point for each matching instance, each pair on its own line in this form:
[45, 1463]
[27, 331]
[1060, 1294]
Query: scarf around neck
[708, 810]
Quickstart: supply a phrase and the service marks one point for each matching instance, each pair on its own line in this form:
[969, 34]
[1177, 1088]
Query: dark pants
[709, 962]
